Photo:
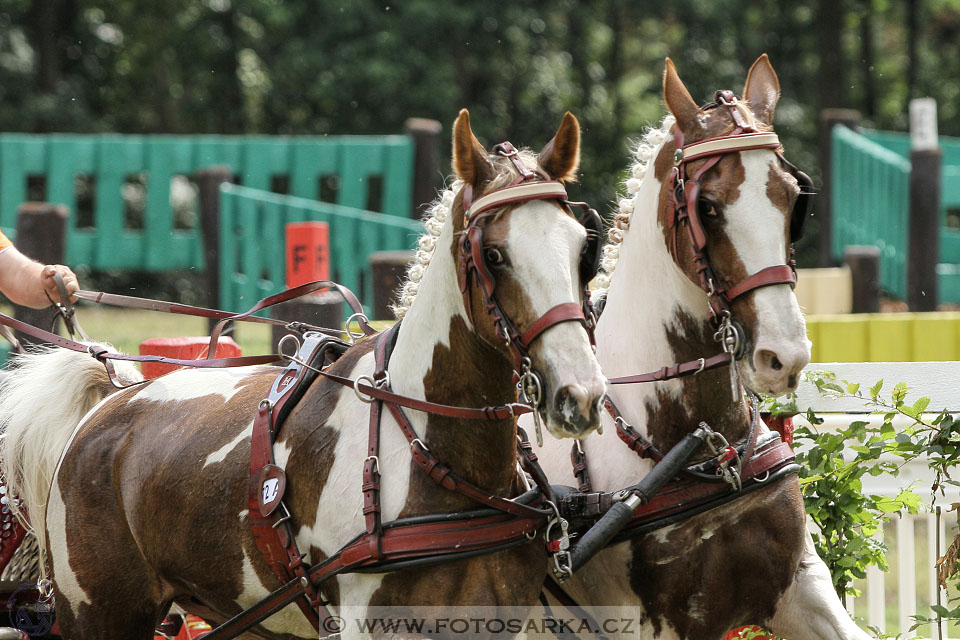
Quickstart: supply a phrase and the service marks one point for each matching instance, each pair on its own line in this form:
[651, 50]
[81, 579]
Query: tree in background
[364, 66]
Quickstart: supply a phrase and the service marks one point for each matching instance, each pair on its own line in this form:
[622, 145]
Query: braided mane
[643, 154]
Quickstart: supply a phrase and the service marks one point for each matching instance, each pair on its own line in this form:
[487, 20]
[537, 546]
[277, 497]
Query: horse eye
[706, 208]
[493, 256]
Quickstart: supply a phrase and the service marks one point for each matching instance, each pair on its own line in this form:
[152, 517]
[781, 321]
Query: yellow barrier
[885, 337]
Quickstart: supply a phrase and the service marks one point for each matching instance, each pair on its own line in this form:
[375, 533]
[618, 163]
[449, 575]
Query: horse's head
[730, 207]
[519, 252]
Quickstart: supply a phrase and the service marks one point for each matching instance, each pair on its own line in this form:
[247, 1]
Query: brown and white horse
[750, 561]
[143, 500]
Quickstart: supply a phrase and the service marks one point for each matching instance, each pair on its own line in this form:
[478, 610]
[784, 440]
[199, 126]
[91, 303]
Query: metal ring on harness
[285, 339]
[352, 337]
[360, 394]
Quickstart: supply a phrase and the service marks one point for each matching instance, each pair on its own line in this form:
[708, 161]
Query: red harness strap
[269, 517]
[381, 546]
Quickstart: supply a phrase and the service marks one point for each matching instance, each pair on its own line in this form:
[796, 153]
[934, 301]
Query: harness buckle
[376, 462]
[722, 100]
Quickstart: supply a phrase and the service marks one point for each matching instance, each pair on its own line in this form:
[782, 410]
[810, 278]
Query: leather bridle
[685, 192]
[473, 264]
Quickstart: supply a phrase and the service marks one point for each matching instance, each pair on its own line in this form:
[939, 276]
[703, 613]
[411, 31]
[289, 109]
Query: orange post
[308, 252]
[187, 348]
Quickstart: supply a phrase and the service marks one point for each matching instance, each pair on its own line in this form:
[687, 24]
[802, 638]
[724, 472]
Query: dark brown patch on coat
[175, 528]
[782, 190]
[717, 570]
[705, 396]
[737, 574]
[469, 373]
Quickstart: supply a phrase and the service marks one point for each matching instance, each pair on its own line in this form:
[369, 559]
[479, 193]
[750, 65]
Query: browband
[517, 193]
[726, 144]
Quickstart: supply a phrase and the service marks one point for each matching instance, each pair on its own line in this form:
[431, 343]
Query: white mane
[436, 217]
[643, 155]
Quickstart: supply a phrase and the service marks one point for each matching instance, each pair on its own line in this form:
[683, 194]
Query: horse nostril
[775, 363]
[792, 381]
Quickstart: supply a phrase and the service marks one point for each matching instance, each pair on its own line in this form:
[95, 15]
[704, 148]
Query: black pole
[923, 249]
[42, 236]
[923, 252]
[208, 187]
[426, 163]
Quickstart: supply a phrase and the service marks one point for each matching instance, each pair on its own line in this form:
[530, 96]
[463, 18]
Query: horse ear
[469, 157]
[561, 157]
[679, 101]
[762, 89]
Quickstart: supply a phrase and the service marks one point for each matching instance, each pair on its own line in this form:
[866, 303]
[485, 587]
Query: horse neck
[654, 317]
[439, 357]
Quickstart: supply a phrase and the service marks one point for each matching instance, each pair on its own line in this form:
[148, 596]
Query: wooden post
[923, 250]
[426, 163]
[42, 236]
[864, 263]
[388, 268]
[208, 184]
[324, 309]
[823, 213]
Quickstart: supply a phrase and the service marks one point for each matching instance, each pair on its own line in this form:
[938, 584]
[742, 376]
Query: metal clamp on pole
[619, 515]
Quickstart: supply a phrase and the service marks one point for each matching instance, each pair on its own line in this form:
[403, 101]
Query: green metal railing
[252, 239]
[353, 171]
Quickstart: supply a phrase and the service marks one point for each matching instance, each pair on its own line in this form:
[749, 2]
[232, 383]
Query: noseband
[685, 190]
[525, 187]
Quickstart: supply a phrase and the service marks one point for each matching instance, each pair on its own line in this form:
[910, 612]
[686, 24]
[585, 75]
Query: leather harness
[380, 546]
[754, 465]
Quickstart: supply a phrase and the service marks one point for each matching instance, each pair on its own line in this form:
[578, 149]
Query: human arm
[27, 283]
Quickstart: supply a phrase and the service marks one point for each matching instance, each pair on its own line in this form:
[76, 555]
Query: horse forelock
[437, 215]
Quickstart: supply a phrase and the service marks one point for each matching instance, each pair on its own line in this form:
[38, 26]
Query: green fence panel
[252, 242]
[162, 232]
[899, 143]
[873, 206]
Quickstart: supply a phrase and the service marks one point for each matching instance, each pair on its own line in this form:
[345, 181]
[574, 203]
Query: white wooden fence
[912, 538]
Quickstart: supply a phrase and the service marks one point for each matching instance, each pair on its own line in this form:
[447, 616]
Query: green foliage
[365, 66]
[834, 464]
